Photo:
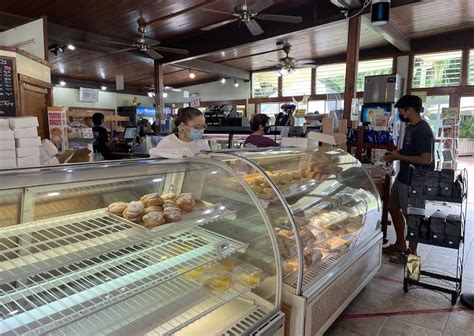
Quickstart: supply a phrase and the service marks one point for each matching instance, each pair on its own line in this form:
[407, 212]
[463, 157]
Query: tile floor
[382, 308]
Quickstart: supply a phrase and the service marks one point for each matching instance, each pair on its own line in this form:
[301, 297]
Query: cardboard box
[27, 151]
[8, 154]
[7, 163]
[7, 145]
[23, 122]
[4, 122]
[6, 134]
[28, 161]
[28, 132]
[28, 142]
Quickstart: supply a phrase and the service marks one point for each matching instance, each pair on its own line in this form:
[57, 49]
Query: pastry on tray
[134, 212]
[169, 196]
[185, 202]
[153, 209]
[117, 208]
[172, 214]
[153, 219]
[151, 200]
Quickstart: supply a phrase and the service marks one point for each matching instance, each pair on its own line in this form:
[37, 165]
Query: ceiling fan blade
[280, 18]
[172, 50]
[260, 5]
[153, 54]
[215, 11]
[121, 50]
[151, 42]
[117, 43]
[254, 27]
[219, 24]
[301, 66]
[306, 62]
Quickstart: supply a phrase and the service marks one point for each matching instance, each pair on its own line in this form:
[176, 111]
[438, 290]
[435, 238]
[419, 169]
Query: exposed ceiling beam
[390, 33]
[214, 68]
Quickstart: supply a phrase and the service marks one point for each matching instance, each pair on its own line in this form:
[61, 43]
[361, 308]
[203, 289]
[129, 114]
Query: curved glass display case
[321, 202]
[135, 247]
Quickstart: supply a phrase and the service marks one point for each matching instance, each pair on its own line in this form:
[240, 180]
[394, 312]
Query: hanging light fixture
[236, 84]
[380, 12]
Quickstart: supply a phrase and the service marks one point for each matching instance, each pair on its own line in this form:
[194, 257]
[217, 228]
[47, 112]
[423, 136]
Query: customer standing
[186, 139]
[260, 125]
[101, 136]
[417, 150]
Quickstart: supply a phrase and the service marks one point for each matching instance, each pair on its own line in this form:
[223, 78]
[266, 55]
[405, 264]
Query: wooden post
[352, 61]
[159, 101]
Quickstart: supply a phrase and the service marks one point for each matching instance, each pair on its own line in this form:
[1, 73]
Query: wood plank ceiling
[180, 23]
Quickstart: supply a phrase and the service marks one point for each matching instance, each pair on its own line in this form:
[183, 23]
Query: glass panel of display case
[137, 247]
[332, 201]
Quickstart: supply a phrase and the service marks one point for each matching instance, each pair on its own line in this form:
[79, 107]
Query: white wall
[70, 97]
[214, 91]
[29, 31]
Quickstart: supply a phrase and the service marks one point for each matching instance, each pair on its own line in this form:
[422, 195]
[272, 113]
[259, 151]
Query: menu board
[7, 87]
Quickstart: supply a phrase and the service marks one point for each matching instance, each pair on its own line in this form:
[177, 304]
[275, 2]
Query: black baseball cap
[410, 101]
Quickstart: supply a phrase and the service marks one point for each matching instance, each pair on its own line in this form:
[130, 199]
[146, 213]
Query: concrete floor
[383, 308]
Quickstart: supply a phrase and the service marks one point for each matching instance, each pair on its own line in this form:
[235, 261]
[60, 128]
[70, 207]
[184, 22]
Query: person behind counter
[186, 139]
[101, 136]
[260, 125]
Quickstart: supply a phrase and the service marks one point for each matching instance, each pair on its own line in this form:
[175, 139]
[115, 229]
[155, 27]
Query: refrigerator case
[69, 266]
[325, 211]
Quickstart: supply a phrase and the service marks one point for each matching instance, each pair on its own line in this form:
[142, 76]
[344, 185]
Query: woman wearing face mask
[260, 125]
[186, 140]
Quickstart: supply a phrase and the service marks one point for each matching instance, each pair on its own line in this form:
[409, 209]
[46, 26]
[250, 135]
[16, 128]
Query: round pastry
[153, 209]
[134, 211]
[117, 208]
[153, 219]
[295, 175]
[268, 191]
[185, 202]
[151, 200]
[169, 204]
[169, 196]
[172, 214]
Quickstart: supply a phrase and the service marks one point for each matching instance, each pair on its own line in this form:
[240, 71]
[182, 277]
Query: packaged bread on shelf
[219, 282]
[117, 208]
[334, 243]
[227, 265]
[195, 274]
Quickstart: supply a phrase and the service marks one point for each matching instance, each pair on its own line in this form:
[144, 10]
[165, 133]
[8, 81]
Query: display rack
[443, 281]
[74, 266]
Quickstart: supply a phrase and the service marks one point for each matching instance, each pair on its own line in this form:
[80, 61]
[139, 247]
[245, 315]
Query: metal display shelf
[64, 269]
[162, 310]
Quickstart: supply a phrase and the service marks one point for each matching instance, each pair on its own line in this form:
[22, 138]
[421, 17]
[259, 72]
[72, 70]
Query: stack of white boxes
[27, 141]
[7, 146]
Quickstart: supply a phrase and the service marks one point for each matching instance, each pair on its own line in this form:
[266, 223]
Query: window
[264, 84]
[297, 84]
[270, 109]
[470, 78]
[432, 114]
[330, 78]
[466, 126]
[317, 105]
[437, 70]
[381, 66]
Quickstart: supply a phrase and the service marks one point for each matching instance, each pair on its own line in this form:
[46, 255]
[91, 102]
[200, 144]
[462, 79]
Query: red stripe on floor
[349, 316]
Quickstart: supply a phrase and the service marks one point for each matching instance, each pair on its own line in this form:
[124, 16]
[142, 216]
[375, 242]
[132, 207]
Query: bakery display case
[325, 211]
[136, 247]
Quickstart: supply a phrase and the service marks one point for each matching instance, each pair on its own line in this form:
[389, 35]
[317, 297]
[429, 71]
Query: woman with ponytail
[186, 140]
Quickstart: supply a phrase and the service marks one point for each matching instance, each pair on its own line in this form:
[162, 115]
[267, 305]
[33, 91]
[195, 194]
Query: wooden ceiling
[180, 22]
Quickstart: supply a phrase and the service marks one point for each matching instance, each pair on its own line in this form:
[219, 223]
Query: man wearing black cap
[417, 150]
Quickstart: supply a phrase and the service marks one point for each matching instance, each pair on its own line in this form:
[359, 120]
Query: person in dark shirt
[260, 125]
[417, 150]
[101, 136]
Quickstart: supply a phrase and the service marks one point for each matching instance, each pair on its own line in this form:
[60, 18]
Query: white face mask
[195, 134]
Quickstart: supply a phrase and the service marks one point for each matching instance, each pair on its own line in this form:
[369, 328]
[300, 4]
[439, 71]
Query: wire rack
[149, 312]
[64, 269]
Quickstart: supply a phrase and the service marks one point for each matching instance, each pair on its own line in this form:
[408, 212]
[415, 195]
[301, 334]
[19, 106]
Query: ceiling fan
[288, 64]
[146, 45]
[249, 15]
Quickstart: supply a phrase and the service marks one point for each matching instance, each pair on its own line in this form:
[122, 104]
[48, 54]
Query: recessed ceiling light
[223, 80]
[71, 46]
[103, 88]
[192, 75]
[62, 83]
